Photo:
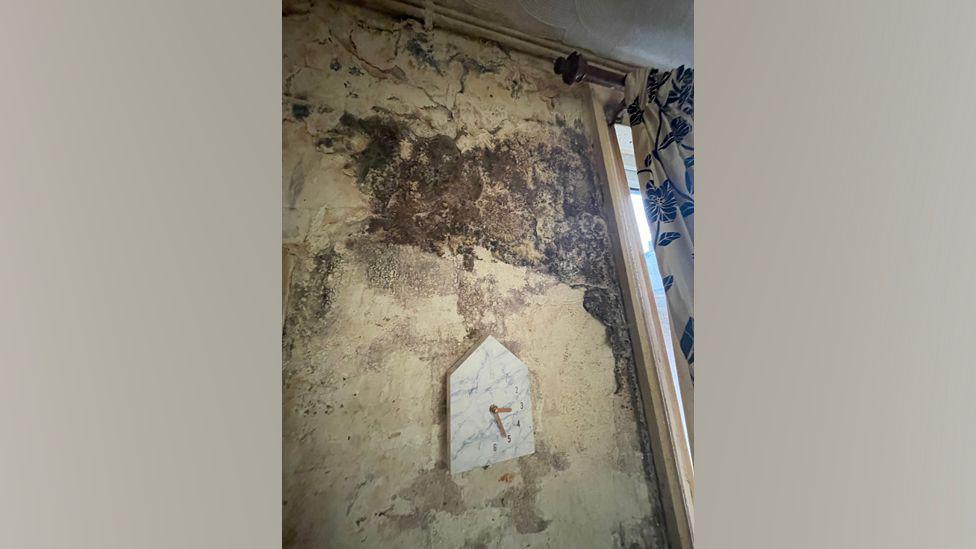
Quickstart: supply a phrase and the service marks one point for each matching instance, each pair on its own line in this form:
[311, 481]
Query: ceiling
[653, 33]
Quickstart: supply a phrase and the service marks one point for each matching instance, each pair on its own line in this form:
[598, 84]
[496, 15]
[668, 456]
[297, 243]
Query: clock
[490, 408]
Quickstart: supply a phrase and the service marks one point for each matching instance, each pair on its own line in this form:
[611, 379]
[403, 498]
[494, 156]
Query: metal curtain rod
[433, 14]
[575, 69]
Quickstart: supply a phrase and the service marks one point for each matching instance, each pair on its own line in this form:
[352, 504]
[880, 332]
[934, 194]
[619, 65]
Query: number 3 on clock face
[490, 408]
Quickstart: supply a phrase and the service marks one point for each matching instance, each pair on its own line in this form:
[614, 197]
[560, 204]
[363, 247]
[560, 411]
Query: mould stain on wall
[437, 188]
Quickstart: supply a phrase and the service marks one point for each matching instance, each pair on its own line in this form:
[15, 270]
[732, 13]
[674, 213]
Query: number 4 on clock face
[489, 407]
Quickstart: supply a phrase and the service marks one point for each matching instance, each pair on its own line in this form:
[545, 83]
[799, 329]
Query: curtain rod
[462, 23]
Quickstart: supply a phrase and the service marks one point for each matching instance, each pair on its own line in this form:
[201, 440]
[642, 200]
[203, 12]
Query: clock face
[490, 408]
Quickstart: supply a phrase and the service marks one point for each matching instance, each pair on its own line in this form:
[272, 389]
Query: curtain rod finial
[572, 68]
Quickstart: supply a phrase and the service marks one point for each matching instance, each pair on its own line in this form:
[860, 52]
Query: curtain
[661, 112]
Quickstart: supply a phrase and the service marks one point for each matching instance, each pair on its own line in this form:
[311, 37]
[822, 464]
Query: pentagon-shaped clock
[489, 408]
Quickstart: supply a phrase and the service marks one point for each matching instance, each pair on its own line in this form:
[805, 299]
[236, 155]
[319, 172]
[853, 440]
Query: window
[626, 140]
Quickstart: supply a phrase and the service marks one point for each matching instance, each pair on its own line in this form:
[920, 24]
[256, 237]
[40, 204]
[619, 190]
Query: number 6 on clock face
[489, 408]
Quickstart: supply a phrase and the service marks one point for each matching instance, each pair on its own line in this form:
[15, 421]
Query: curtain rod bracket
[574, 69]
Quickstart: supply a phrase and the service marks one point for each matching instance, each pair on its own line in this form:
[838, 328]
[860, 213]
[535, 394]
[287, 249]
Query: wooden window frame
[661, 408]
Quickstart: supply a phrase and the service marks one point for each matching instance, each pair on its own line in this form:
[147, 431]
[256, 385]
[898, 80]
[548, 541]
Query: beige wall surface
[436, 189]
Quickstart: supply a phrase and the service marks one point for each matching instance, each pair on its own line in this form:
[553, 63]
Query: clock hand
[498, 419]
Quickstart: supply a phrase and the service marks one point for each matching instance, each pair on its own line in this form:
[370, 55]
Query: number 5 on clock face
[489, 408]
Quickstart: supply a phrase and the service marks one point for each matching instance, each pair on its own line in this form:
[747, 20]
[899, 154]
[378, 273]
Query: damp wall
[435, 189]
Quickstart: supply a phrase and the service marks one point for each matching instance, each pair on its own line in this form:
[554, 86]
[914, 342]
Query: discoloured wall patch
[520, 499]
[312, 294]
[295, 184]
[431, 492]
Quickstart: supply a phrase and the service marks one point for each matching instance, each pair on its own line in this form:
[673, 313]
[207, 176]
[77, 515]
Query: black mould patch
[311, 296]
[640, 534]
[300, 111]
[310, 304]
[383, 144]
[404, 18]
[295, 184]
[423, 53]
[530, 200]
[295, 8]
[476, 66]
[606, 306]
[483, 540]
[467, 253]
[517, 88]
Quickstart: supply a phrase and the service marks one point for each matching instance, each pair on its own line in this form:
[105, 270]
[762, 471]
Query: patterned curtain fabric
[661, 112]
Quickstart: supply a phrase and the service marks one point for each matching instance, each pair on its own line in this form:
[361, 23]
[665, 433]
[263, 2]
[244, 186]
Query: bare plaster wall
[437, 188]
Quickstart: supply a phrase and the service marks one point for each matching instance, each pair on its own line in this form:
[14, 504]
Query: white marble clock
[490, 408]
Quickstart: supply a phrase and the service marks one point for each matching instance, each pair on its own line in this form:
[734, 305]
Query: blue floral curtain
[661, 113]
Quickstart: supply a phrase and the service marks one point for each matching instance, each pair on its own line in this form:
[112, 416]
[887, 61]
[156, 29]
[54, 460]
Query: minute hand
[498, 420]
